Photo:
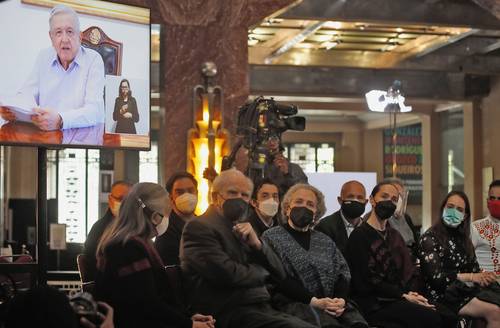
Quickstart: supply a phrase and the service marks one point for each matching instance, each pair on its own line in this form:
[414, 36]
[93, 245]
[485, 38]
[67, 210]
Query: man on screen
[67, 82]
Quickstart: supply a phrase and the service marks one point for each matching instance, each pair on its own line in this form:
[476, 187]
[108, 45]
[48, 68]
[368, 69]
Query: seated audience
[131, 275]
[340, 224]
[317, 285]
[485, 233]
[119, 190]
[402, 222]
[450, 268]
[223, 261]
[265, 207]
[384, 280]
[183, 194]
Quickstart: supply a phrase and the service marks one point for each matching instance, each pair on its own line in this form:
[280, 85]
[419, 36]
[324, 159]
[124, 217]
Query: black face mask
[352, 209]
[385, 209]
[234, 209]
[301, 216]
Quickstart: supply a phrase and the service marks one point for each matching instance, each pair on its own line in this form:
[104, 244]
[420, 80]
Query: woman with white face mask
[450, 268]
[131, 274]
[265, 206]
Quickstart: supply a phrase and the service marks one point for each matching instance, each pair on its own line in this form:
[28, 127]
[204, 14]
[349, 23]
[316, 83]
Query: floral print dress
[440, 265]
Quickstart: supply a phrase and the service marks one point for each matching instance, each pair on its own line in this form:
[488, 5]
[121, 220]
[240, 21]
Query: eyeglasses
[493, 198]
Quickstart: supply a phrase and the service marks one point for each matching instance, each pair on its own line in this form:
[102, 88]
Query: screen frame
[51, 146]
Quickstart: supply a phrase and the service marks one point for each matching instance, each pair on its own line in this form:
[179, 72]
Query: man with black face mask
[340, 224]
[226, 265]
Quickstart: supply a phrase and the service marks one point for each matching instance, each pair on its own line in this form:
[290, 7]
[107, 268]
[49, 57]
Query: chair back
[174, 275]
[110, 50]
[87, 284]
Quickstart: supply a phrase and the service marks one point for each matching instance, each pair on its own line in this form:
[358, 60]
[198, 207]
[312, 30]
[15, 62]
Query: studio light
[391, 102]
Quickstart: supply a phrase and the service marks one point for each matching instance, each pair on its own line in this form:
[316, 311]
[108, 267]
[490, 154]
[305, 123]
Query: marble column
[194, 32]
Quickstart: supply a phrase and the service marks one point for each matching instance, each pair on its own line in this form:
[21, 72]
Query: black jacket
[333, 226]
[126, 125]
[134, 282]
[221, 272]
[285, 181]
[93, 238]
[168, 244]
[257, 223]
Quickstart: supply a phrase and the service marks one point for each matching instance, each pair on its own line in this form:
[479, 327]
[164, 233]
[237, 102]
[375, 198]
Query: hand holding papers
[17, 108]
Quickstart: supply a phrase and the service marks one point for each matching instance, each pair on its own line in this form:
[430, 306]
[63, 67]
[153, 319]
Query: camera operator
[279, 169]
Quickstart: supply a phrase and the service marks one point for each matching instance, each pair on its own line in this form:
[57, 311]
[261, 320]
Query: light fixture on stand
[392, 102]
[207, 139]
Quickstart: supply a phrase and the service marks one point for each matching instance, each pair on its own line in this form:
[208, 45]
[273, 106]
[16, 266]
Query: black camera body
[84, 306]
[258, 122]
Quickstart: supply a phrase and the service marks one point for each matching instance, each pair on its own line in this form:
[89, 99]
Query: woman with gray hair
[317, 282]
[131, 274]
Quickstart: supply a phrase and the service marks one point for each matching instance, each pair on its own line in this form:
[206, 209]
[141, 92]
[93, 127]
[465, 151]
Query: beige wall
[373, 152]
[21, 172]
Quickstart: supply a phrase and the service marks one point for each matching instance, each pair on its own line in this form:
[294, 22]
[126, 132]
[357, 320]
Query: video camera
[83, 305]
[258, 122]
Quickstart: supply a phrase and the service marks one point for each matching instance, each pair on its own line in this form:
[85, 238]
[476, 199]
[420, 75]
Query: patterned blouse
[485, 235]
[440, 263]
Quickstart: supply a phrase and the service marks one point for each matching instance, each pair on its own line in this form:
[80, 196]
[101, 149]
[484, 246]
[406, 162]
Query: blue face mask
[452, 217]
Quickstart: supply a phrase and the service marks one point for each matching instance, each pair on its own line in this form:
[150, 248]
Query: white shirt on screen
[76, 93]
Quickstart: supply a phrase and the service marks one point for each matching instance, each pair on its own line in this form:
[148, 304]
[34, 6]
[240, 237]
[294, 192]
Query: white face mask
[269, 207]
[115, 209]
[186, 203]
[162, 227]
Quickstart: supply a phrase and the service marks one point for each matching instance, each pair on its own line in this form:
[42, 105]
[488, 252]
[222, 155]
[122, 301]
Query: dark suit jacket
[333, 226]
[168, 244]
[221, 272]
[93, 238]
[125, 125]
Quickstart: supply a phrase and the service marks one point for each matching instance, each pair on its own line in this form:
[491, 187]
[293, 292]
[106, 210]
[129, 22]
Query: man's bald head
[352, 190]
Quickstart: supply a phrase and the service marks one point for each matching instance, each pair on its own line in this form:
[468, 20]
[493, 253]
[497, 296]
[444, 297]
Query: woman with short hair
[317, 283]
[131, 276]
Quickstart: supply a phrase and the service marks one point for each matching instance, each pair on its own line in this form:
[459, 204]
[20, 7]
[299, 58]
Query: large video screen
[74, 74]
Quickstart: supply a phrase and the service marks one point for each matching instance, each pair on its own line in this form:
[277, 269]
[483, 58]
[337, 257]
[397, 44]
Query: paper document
[22, 106]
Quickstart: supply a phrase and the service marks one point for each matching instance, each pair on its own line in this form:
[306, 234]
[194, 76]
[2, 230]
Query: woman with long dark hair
[131, 276]
[125, 112]
[449, 265]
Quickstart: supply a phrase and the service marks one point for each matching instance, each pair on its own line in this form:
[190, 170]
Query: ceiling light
[335, 25]
[329, 45]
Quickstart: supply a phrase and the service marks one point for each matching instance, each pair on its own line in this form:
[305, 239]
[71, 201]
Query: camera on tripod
[258, 122]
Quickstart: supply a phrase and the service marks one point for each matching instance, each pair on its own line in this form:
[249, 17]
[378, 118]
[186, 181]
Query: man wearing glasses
[119, 190]
[485, 233]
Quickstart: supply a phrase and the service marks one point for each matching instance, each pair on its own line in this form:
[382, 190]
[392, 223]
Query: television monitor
[75, 74]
